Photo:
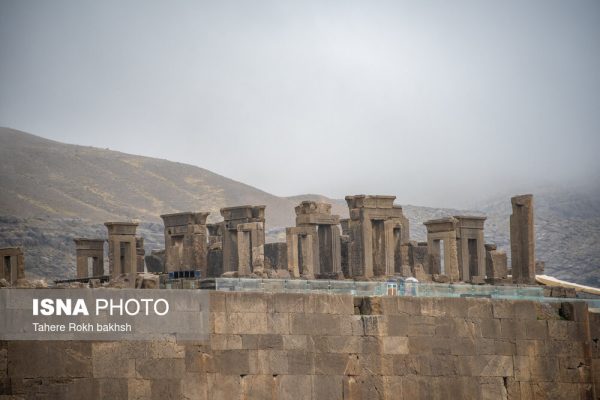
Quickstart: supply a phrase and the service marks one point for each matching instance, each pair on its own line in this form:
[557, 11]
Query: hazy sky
[438, 103]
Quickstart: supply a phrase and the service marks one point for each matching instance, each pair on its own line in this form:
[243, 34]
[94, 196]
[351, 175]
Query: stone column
[522, 239]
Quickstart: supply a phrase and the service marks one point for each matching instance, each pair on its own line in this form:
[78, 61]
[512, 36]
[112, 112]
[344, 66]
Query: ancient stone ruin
[90, 257]
[470, 246]
[441, 248]
[374, 244]
[186, 246]
[522, 239]
[13, 264]
[313, 245]
[243, 240]
[377, 231]
[122, 254]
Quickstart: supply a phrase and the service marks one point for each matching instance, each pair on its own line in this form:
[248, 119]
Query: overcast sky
[438, 103]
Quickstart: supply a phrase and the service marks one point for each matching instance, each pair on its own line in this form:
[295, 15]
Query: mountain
[52, 192]
[42, 177]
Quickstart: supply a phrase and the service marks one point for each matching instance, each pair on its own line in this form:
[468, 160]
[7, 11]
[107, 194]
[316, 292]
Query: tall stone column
[522, 239]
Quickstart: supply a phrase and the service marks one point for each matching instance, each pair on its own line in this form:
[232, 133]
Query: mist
[438, 103]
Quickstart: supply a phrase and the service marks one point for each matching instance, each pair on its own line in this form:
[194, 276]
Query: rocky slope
[53, 192]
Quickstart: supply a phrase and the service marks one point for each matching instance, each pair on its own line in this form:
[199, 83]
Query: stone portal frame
[378, 231]
[86, 250]
[442, 230]
[13, 264]
[471, 247]
[522, 239]
[122, 254]
[322, 256]
[302, 250]
[232, 217]
[250, 247]
[186, 242]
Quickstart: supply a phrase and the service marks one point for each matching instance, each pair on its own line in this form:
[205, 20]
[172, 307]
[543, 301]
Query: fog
[439, 103]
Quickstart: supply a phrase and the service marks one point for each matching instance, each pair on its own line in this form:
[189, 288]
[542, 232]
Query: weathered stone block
[320, 324]
[397, 325]
[289, 302]
[226, 342]
[329, 304]
[301, 363]
[525, 310]
[490, 365]
[258, 387]
[244, 302]
[479, 308]
[503, 309]
[165, 389]
[421, 326]
[437, 365]
[332, 363]
[105, 388]
[544, 369]
[343, 344]
[293, 387]
[395, 345]
[269, 362]
[139, 389]
[512, 329]
[490, 328]
[536, 329]
[232, 362]
[327, 387]
[295, 342]
[224, 387]
[161, 368]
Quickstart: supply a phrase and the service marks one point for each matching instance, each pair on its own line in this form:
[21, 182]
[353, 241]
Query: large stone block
[301, 362]
[491, 365]
[244, 302]
[395, 345]
[105, 388]
[232, 362]
[165, 389]
[139, 389]
[320, 324]
[224, 387]
[327, 387]
[265, 362]
[194, 387]
[329, 304]
[160, 368]
[332, 363]
[258, 387]
[293, 387]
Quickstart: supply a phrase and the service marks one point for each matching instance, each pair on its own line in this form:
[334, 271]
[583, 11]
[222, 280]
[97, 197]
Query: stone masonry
[13, 264]
[441, 247]
[186, 242]
[89, 251]
[122, 254]
[377, 229]
[333, 347]
[470, 245]
[243, 238]
[522, 239]
[313, 245]
[496, 263]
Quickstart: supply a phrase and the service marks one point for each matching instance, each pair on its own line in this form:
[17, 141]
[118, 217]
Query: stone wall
[317, 346]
